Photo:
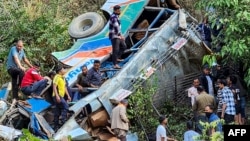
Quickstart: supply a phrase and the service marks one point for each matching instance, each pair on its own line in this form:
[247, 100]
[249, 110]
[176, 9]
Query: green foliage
[141, 111]
[206, 131]
[209, 59]
[177, 115]
[144, 117]
[234, 16]
[247, 77]
[41, 24]
[217, 136]
[27, 136]
[42, 32]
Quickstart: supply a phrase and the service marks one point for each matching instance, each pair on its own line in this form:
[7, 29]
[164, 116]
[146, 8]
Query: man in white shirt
[192, 91]
[161, 134]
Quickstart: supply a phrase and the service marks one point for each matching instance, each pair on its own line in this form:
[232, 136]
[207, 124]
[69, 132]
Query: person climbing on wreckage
[94, 77]
[33, 83]
[59, 91]
[115, 36]
[15, 68]
[205, 32]
[81, 82]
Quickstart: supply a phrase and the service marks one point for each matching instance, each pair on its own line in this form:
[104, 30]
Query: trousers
[118, 47]
[16, 79]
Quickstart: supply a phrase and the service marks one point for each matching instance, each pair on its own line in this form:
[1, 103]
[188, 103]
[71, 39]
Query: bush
[141, 113]
[144, 117]
[41, 24]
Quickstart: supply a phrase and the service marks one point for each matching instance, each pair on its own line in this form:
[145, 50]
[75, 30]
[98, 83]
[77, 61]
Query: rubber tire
[91, 19]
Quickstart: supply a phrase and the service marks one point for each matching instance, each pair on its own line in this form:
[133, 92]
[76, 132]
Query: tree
[234, 17]
[41, 24]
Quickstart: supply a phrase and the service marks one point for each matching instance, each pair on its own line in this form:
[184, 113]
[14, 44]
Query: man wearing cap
[115, 35]
[59, 91]
[161, 134]
[15, 68]
[119, 120]
[33, 83]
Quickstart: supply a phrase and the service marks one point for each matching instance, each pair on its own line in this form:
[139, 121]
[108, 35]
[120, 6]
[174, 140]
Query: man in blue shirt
[117, 40]
[212, 117]
[228, 108]
[15, 68]
[94, 77]
[190, 134]
[205, 31]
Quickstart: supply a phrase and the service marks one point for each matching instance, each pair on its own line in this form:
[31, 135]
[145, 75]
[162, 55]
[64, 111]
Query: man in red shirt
[33, 83]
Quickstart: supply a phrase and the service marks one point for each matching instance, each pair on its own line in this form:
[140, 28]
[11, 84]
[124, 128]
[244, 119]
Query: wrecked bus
[154, 35]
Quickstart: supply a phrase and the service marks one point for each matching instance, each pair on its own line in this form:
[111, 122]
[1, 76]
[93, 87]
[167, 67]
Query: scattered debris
[9, 133]
[3, 107]
[182, 20]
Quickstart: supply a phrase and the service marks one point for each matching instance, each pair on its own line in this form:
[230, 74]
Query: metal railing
[175, 90]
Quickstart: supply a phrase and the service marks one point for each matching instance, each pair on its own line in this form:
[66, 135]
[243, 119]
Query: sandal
[117, 67]
[120, 60]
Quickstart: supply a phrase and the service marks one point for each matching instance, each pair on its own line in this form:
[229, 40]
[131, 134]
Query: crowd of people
[209, 103]
[217, 102]
[217, 97]
[32, 84]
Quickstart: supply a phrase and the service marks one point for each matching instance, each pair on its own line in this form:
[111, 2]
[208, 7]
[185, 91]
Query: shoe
[120, 60]
[116, 67]
[36, 96]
